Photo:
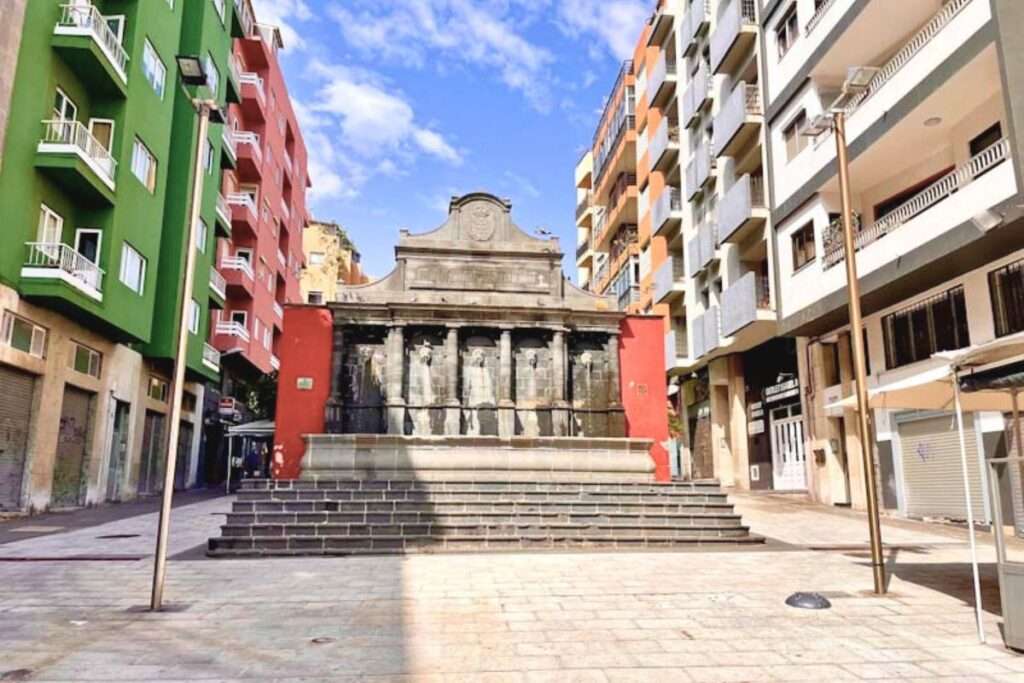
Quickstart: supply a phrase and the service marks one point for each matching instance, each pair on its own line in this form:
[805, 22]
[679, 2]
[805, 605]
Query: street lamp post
[857, 81]
[192, 73]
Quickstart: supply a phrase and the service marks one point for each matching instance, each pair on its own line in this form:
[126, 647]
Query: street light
[191, 72]
[857, 81]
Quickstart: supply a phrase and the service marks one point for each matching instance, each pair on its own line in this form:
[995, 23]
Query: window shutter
[38, 342]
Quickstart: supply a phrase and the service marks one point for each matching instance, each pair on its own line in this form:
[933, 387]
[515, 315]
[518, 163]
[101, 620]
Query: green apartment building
[97, 165]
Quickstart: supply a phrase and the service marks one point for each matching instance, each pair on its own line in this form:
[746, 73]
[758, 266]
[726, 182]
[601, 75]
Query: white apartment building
[935, 182]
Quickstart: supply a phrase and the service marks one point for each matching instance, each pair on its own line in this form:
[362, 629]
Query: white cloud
[433, 143]
[441, 33]
[284, 14]
[523, 184]
[616, 23]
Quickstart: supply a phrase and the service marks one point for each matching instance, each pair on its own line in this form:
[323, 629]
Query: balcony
[697, 96]
[218, 288]
[695, 23]
[705, 333]
[664, 148]
[739, 121]
[70, 155]
[250, 154]
[244, 215]
[238, 275]
[818, 15]
[957, 180]
[675, 348]
[254, 103]
[211, 357]
[241, 19]
[278, 311]
[734, 36]
[231, 328]
[708, 235]
[91, 49]
[59, 262]
[742, 211]
[698, 171]
[274, 362]
[223, 215]
[582, 249]
[661, 25]
[289, 166]
[661, 82]
[281, 259]
[233, 89]
[745, 302]
[667, 211]
[668, 281]
[228, 148]
[583, 208]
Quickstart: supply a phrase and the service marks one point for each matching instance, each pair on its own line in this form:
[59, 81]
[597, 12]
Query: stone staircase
[350, 517]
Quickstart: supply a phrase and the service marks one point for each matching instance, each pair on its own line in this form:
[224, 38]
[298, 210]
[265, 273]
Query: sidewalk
[663, 616]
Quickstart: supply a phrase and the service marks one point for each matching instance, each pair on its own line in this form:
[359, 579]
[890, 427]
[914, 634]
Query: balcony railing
[66, 261]
[58, 133]
[661, 76]
[211, 356]
[232, 328]
[743, 103]
[230, 144]
[742, 301]
[907, 52]
[281, 259]
[670, 202]
[223, 208]
[667, 277]
[665, 139]
[941, 189]
[698, 171]
[582, 249]
[249, 78]
[274, 362]
[731, 21]
[242, 199]
[696, 20]
[237, 263]
[245, 16]
[278, 310]
[697, 93]
[84, 18]
[247, 137]
[819, 14]
[217, 283]
[738, 205]
[583, 204]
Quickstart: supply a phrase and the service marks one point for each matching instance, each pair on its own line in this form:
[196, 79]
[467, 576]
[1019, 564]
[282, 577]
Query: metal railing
[763, 292]
[819, 14]
[752, 99]
[75, 134]
[907, 52]
[267, 33]
[274, 362]
[244, 15]
[85, 16]
[223, 208]
[242, 199]
[228, 135]
[281, 259]
[217, 283]
[582, 249]
[278, 310]
[211, 355]
[941, 189]
[249, 78]
[62, 257]
[247, 137]
[237, 263]
[288, 160]
[232, 328]
[584, 204]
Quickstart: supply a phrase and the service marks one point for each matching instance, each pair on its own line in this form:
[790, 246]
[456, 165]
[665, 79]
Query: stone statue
[479, 390]
[424, 394]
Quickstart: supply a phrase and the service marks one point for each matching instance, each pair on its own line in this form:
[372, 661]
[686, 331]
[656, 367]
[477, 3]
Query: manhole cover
[115, 536]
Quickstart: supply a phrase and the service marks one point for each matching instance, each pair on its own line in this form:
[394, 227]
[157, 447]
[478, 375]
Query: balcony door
[102, 130]
[87, 243]
[64, 108]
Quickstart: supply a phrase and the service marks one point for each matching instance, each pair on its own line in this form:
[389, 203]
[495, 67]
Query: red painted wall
[644, 387]
[305, 347]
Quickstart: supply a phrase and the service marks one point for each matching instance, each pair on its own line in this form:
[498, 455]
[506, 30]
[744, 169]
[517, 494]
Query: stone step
[477, 506]
[513, 528]
[316, 519]
[382, 545]
[640, 497]
[466, 486]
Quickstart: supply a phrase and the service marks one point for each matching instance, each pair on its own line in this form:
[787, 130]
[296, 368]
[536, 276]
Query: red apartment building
[265, 197]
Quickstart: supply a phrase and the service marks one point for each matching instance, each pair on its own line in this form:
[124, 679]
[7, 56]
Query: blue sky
[404, 103]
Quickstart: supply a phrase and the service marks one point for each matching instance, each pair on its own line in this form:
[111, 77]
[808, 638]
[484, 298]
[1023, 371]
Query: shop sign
[778, 392]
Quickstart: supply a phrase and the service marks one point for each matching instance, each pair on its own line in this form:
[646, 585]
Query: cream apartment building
[331, 259]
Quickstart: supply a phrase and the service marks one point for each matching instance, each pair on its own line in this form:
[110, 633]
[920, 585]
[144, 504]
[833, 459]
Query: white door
[789, 460]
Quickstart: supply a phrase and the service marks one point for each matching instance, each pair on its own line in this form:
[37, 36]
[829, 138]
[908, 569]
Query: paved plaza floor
[72, 608]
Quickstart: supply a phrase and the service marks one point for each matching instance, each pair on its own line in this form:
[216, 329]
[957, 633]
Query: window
[63, 108]
[153, 68]
[787, 31]
[212, 75]
[188, 402]
[1006, 290]
[315, 297]
[144, 165]
[239, 317]
[794, 137]
[803, 246]
[51, 226]
[208, 158]
[933, 325]
[202, 233]
[23, 335]
[193, 316]
[158, 389]
[85, 360]
[245, 255]
[316, 258]
[219, 5]
[267, 338]
[133, 268]
[986, 139]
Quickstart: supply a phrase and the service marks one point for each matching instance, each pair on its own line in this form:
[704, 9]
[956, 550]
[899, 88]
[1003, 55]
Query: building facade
[331, 261]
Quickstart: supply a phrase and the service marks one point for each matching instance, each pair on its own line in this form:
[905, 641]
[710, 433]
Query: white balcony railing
[288, 160]
[281, 259]
[230, 144]
[275, 362]
[232, 328]
[223, 208]
[819, 14]
[247, 137]
[242, 199]
[278, 310]
[61, 135]
[244, 13]
[53, 259]
[211, 356]
[933, 194]
[249, 78]
[217, 283]
[82, 18]
[237, 263]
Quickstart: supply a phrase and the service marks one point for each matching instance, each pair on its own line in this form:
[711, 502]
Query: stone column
[453, 409]
[560, 409]
[506, 406]
[616, 413]
[333, 421]
[395, 379]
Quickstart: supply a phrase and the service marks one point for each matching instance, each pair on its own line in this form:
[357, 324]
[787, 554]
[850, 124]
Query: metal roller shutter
[932, 470]
[15, 414]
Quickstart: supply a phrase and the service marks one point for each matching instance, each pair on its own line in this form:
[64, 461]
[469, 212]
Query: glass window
[133, 268]
[202, 233]
[51, 226]
[208, 158]
[219, 5]
[803, 246]
[315, 297]
[794, 137]
[86, 360]
[154, 69]
[1006, 290]
[935, 324]
[788, 31]
[316, 258]
[144, 165]
[193, 316]
[20, 334]
[158, 389]
[212, 75]
[63, 108]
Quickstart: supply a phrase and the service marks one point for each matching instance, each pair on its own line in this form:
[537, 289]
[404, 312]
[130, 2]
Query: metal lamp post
[191, 73]
[857, 81]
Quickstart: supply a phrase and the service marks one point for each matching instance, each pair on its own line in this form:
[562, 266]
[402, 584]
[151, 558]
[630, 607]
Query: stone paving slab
[690, 616]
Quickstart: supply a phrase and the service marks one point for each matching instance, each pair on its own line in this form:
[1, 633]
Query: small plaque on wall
[304, 383]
